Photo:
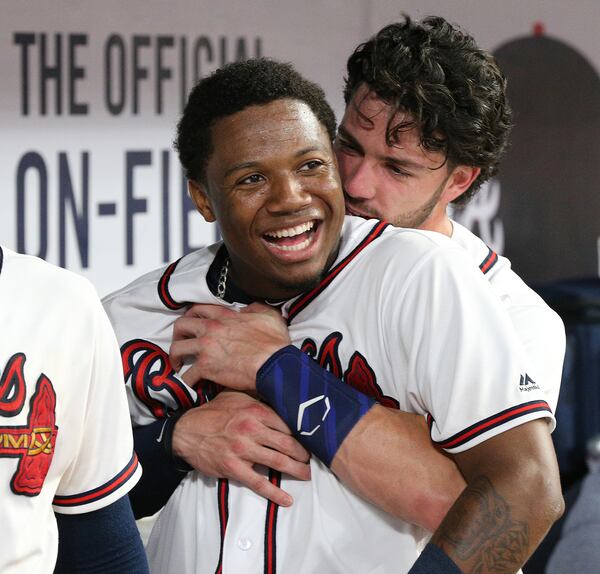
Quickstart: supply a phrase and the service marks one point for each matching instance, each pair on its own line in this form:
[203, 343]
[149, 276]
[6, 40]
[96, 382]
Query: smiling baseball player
[389, 311]
[405, 130]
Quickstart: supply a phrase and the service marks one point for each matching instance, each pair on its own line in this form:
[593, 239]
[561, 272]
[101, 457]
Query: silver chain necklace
[222, 285]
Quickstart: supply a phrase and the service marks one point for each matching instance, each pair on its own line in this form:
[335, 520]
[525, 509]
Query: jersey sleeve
[538, 327]
[466, 367]
[144, 329]
[105, 466]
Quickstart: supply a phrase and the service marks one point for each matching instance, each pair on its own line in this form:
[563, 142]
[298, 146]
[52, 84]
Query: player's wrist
[262, 359]
[173, 440]
[434, 559]
[320, 409]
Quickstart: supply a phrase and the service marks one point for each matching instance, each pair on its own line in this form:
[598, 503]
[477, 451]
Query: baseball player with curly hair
[426, 69]
[391, 312]
[415, 116]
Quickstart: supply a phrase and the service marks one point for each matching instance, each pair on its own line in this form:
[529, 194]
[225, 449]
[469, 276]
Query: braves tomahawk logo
[33, 443]
[156, 384]
[358, 374]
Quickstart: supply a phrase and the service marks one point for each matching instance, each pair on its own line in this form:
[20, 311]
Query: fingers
[286, 445]
[192, 376]
[180, 349]
[232, 434]
[278, 461]
[260, 484]
[278, 436]
[188, 327]
[243, 471]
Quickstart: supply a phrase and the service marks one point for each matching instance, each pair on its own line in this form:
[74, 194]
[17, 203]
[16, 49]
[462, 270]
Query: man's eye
[345, 146]
[251, 179]
[310, 165]
[398, 171]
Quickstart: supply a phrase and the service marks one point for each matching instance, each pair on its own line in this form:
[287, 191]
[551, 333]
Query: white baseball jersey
[65, 437]
[402, 315]
[539, 328]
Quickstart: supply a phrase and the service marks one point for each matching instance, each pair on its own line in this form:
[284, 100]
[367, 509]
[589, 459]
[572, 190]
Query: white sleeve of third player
[466, 367]
[104, 466]
[539, 328]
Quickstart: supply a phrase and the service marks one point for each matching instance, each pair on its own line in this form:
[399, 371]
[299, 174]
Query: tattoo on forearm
[481, 531]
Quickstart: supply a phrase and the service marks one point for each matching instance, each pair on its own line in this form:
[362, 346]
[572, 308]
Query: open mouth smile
[292, 239]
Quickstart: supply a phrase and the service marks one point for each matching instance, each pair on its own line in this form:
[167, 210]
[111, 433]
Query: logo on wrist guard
[312, 409]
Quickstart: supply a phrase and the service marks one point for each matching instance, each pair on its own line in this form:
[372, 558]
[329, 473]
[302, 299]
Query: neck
[439, 222]
[272, 288]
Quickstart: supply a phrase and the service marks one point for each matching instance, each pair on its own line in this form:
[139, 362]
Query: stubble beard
[414, 219]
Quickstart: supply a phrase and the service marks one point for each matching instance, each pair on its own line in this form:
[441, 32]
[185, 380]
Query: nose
[358, 178]
[288, 195]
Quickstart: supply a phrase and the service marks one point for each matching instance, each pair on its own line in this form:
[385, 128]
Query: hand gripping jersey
[404, 316]
[65, 435]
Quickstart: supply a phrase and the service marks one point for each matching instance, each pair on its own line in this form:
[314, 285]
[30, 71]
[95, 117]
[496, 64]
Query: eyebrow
[389, 158]
[239, 166]
[252, 164]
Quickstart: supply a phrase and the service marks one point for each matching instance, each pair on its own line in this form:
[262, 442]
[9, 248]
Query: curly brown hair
[454, 91]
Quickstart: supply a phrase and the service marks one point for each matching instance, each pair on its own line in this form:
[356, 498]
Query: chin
[291, 284]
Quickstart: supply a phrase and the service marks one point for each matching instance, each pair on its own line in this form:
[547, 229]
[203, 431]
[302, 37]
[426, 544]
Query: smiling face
[272, 185]
[402, 183]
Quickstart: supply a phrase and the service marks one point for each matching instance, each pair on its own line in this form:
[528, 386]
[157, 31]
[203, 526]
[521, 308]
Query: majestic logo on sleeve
[33, 443]
[526, 383]
[358, 374]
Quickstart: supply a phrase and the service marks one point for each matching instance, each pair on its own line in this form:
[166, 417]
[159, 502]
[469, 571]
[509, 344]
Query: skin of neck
[438, 221]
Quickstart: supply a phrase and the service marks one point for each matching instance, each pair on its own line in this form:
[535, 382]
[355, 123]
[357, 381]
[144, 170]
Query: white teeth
[292, 231]
[296, 247]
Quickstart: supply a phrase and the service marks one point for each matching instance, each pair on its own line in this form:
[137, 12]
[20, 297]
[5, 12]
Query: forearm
[508, 506]
[353, 435]
[160, 477]
[104, 541]
[414, 481]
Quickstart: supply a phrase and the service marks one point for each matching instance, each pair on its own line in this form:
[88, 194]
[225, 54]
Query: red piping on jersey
[303, 301]
[102, 491]
[491, 422]
[223, 503]
[490, 260]
[163, 288]
[271, 527]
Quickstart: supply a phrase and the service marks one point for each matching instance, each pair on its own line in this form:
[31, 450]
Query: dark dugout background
[550, 178]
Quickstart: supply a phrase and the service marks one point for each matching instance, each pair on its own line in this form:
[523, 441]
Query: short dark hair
[454, 91]
[233, 88]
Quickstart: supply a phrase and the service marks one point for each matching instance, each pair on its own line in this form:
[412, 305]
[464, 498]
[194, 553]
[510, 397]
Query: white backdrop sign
[91, 93]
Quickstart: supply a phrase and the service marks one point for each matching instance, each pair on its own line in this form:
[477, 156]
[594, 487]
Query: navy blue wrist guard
[319, 408]
[434, 560]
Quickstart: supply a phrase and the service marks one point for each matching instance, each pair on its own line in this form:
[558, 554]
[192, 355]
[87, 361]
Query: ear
[460, 179]
[200, 198]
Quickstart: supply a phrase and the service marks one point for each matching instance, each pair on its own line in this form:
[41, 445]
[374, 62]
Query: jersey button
[244, 544]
